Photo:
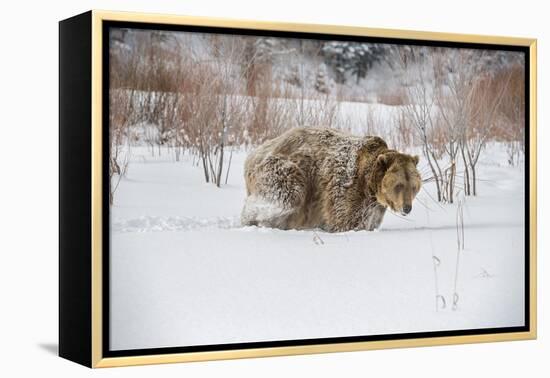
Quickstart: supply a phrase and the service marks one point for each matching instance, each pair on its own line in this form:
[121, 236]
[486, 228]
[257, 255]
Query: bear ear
[383, 161]
[416, 159]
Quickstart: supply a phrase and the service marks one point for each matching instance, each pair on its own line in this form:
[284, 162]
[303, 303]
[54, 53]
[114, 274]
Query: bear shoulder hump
[374, 142]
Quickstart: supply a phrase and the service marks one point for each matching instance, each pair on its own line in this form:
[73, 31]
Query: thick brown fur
[323, 178]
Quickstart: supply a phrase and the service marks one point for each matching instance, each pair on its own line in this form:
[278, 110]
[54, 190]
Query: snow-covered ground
[184, 272]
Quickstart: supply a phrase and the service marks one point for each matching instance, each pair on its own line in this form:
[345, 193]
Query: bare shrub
[121, 116]
[395, 97]
[488, 93]
[455, 99]
[403, 134]
[419, 112]
[270, 114]
[510, 125]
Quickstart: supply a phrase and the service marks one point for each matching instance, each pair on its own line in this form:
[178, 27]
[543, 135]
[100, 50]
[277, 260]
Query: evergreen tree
[339, 56]
[366, 55]
[352, 57]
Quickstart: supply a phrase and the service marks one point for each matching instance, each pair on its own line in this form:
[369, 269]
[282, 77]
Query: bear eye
[398, 188]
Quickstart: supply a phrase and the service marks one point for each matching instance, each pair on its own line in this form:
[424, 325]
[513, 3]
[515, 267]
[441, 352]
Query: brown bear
[327, 179]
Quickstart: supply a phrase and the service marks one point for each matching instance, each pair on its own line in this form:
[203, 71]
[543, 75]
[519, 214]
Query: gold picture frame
[90, 330]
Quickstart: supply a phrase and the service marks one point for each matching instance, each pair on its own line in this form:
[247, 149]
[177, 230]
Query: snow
[184, 272]
[259, 210]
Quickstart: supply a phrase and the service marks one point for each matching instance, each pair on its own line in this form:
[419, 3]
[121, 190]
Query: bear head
[398, 181]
